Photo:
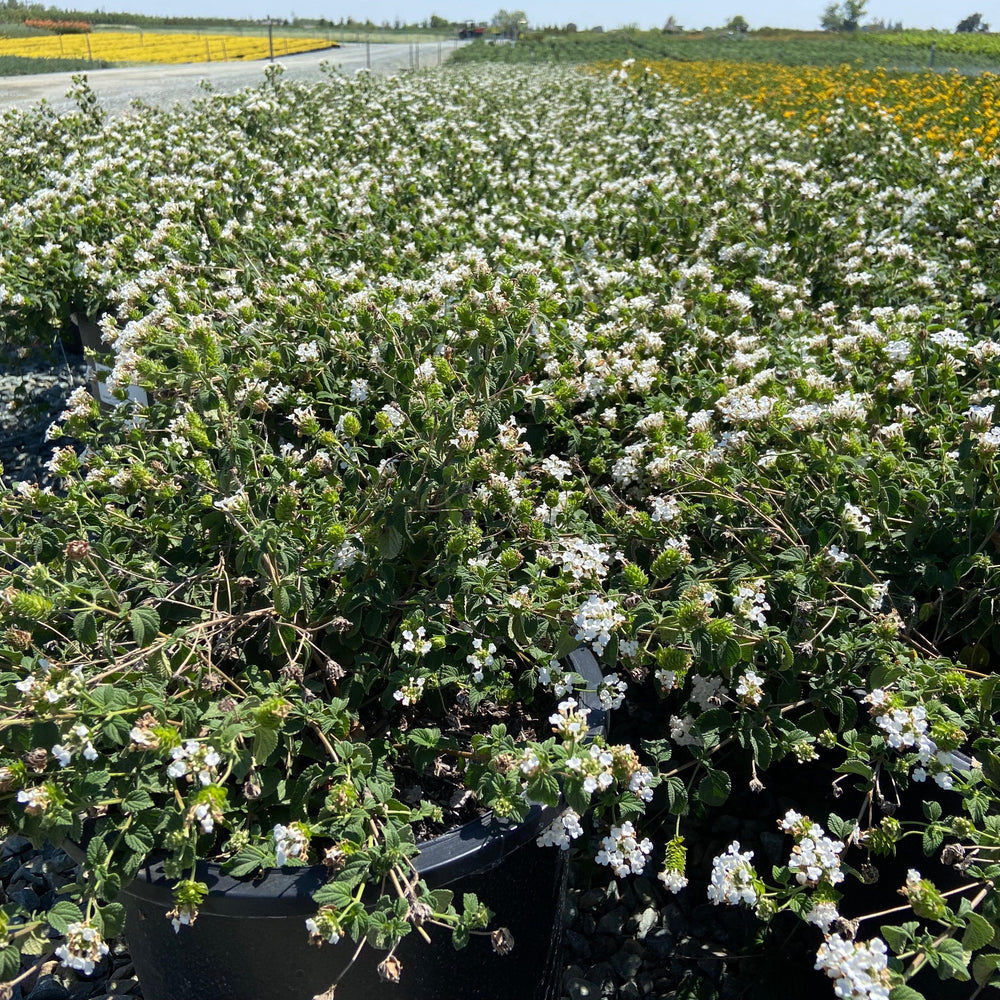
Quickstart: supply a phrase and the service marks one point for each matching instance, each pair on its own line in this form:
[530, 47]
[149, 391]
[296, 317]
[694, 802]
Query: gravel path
[166, 85]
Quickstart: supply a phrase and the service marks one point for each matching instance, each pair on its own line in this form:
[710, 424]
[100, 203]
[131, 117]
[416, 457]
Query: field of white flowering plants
[452, 372]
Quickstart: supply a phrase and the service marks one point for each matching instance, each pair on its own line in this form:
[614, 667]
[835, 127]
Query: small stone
[49, 988]
[613, 922]
[629, 991]
[582, 989]
[591, 898]
[626, 964]
[648, 919]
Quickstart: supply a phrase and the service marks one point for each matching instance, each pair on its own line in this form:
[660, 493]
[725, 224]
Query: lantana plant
[444, 377]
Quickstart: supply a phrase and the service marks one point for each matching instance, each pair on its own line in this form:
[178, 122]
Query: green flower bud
[634, 576]
[510, 559]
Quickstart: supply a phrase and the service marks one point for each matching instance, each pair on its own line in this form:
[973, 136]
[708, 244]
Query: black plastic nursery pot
[249, 941]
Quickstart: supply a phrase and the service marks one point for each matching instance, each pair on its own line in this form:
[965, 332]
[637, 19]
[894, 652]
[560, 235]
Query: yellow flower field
[949, 110]
[152, 47]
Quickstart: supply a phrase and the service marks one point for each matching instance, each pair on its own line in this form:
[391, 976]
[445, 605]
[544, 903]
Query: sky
[583, 13]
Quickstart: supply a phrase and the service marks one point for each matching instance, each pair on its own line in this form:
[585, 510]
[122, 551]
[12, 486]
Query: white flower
[561, 831]
[857, 520]
[859, 967]
[733, 878]
[359, 390]
[82, 949]
[595, 620]
[623, 852]
[290, 841]
[410, 692]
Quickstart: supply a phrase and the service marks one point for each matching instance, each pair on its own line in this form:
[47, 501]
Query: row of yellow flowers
[150, 47]
[949, 110]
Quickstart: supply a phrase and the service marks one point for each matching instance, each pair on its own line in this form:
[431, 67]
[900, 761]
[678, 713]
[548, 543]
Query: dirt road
[166, 85]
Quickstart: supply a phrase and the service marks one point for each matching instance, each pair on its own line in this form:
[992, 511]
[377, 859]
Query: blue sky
[646, 13]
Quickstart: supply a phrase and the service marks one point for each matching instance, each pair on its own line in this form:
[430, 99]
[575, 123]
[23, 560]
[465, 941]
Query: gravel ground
[33, 388]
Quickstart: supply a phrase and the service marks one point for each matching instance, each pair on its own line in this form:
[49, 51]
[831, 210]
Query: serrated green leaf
[905, 993]
[111, 920]
[10, 962]
[137, 800]
[954, 960]
[265, 742]
[714, 788]
[543, 788]
[85, 628]
[63, 914]
[897, 938]
[139, 839]
[978, 932]
[985, 966]
[145, 626]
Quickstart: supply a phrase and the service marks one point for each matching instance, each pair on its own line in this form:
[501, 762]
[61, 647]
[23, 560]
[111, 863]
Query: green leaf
[954, 960]
[544, 788]
[63, 914]
[389, 543]
[905, 993]
[265, 742]
[139, 839]
[897, 938]
[145, 626]
[714, 788]
[10, 962]
[111, 920]
[978, 932]
[85, 628]
[137, 800]
[985, 966]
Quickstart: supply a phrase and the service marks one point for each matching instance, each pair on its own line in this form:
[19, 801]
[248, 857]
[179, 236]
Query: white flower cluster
[415, 642]
[665, 509]
[822, 915]
[570, 721]
[596, 767]
[906, 729]
[859, 968]
[611, 691]
[79, 739]
[750, 601]
[410, 692]
[290, 841]
[561, 831]
[480, 658]
[82, 949]
[553, 676]
[595, 620]
[815, 857]
[750, 688]
[556, 467]
[623, 851]
[200, 759]
[583, 560]
[857, 520]
[734, 880]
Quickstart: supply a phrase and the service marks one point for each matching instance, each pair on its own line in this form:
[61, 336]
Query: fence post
[933, 50]
[90, 55]
[270, 39]
[368, 53]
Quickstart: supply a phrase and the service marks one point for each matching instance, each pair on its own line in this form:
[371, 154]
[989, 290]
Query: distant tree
[972, 23]
[439, 22]
[833, 18]
[844, 16]
[570, 28]
[738, 24]
[509, 22]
